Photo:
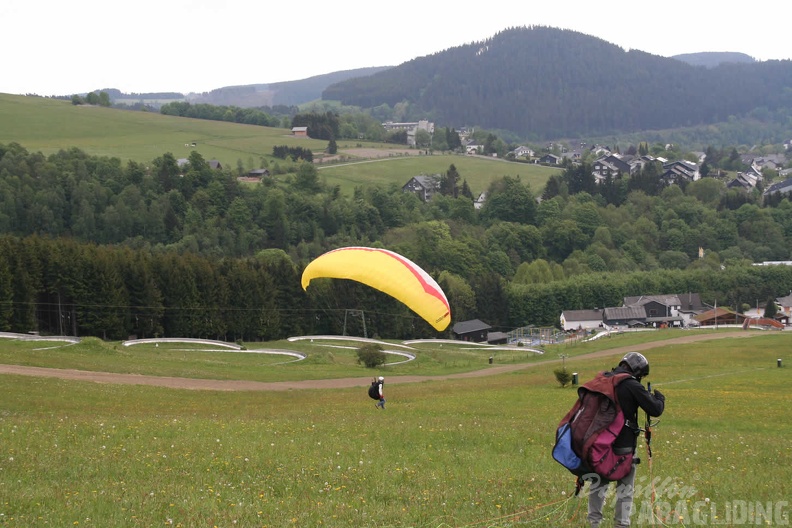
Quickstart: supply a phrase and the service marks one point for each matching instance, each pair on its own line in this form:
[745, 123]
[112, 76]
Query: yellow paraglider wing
[387, 272]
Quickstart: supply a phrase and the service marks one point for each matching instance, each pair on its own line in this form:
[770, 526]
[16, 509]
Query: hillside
[49, 125]
[711, 59]
[288, 93]
[545, 83]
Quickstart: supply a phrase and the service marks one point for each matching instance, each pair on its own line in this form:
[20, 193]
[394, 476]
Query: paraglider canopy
[387, 272]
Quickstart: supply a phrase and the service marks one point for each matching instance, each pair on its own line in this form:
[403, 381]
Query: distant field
[478, 171]
[49, 125]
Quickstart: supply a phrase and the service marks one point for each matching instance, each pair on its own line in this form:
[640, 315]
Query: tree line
[517, 260]
[293, 153]
[65, 287]
[230, 114]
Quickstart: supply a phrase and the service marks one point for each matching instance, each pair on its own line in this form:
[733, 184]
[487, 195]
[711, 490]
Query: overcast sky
[60, 48]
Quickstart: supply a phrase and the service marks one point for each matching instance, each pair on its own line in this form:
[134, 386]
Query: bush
[371, 355]
[563, 376]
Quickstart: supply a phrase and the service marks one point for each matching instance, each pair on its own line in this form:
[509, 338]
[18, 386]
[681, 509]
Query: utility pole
[355, 313]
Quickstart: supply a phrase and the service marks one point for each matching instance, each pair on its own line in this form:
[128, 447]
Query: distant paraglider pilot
[376, 392]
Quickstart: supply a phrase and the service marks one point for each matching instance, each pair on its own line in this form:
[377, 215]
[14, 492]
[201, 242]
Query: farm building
[581, 319]
[473, 330]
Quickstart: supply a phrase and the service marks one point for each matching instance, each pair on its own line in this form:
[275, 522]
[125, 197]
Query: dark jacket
[633, 397]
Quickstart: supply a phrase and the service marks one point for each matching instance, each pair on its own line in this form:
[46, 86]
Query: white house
[572, 320]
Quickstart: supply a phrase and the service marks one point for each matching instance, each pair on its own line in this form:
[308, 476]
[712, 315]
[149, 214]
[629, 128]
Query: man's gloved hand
[659, 395]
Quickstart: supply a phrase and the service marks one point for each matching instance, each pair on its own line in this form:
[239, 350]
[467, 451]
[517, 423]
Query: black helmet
[637, 363]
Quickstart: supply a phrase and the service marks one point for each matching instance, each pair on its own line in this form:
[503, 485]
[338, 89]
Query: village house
[611, 166]
[632, 316]
[661, 310]
[423, 186]
[784, 187]
[759, 163]
[411, 128]
[550, 159]
[785, 304]
[719, 316]
[472, 147]
[745, 181]
[637, 163]
[522, 152]
[654, 311]
[258, 173]
[574, 156]
[600, 150]
[681, 171]
[479, 202]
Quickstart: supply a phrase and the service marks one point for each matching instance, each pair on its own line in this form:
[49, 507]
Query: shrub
[371, 355]
[563, 376]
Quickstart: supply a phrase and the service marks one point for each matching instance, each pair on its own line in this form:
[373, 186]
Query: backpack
[585, 436]
[373, 390]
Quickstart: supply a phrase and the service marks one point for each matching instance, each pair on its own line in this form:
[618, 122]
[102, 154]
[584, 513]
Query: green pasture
[478, 171]
[464, 452]
[49, 125]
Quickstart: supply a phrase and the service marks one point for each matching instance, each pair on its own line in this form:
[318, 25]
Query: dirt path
[339, 383]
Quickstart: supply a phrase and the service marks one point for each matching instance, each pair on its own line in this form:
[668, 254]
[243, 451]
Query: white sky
[52, 47]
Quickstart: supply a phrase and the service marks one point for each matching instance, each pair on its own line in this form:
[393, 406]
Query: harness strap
[578, 485]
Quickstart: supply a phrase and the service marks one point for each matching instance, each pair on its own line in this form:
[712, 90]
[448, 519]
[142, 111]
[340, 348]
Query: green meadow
[462, 451]
[49, 125]
[478, 171]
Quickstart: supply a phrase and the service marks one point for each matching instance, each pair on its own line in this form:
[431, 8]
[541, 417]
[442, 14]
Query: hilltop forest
[543, 83]
[95, 247]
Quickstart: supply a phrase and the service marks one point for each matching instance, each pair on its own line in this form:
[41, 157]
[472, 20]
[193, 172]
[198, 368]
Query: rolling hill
[50, 125]
[544, 83]
[540, 84]
[288, 93]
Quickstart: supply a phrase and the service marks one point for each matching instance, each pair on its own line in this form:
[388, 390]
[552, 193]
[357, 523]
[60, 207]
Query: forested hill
[286, 93]
[711, 59]
[544, 83]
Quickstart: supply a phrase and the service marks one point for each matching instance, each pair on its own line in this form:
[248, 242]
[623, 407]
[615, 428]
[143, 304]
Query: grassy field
[49, 125]
[324, 359]
[470, 452]
[478, 171]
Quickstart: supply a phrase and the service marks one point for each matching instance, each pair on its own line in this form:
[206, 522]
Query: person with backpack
[376, 392]
[631, 396]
